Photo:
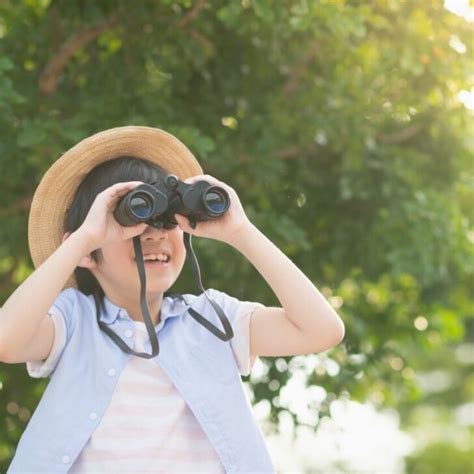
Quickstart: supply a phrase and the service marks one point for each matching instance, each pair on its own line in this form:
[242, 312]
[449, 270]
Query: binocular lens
[141, 207]
[216, 201]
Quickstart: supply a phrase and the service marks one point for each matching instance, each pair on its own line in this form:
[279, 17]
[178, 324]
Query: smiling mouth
[150, 263]
[156, 261]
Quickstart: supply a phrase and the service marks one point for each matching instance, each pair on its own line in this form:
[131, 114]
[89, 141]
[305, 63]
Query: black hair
[118, 170]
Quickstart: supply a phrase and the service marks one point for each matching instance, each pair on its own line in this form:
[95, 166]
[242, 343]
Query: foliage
[337, 122]
[441, 458]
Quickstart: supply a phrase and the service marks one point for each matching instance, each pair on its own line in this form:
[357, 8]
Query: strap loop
[224, 336]
[229, 333]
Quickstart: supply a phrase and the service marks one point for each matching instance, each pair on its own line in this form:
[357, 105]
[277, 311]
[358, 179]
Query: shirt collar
[170, 307]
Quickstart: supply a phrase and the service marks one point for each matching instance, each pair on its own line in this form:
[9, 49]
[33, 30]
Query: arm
[306, 322]
[22, 314]
[24, 310]
[301, 301]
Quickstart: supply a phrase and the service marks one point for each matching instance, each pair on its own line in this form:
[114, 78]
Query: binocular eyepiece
[156, 203]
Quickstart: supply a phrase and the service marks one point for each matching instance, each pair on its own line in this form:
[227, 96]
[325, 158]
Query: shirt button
[65, 459]
[128, 333]
[93, 416]
[111, 372]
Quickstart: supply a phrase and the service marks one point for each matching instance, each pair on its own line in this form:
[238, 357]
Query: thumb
[136, 229]
[183, 223]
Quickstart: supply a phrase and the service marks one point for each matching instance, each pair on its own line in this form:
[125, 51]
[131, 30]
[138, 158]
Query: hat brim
[57, 188]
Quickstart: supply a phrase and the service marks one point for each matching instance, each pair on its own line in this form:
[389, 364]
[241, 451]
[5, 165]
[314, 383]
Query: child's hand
[100, 226]
[224, 228]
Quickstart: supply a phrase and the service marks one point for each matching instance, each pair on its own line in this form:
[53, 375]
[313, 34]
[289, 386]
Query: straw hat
[58, 186]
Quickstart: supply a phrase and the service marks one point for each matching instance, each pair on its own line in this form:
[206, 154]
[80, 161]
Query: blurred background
[346, 128]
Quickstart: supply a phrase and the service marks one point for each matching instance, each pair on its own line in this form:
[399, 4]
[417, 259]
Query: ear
[86, 261]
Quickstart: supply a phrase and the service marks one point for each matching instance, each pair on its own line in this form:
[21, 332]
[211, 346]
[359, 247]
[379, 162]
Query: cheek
[180, 250]
[176, 236]
[118, 254]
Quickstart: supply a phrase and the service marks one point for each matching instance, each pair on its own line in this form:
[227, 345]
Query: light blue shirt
[201, 366]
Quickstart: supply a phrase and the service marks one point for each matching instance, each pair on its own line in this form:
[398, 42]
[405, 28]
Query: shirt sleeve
[39, 369]
[239, 314]
[240, 343]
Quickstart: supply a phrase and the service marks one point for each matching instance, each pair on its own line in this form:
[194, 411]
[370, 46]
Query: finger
[208, 177]
[205, 177]
[193, 179]
[114, 193]
[119, 189]
[183, 223]
[135, 230]
[125, 186]
[181, 220]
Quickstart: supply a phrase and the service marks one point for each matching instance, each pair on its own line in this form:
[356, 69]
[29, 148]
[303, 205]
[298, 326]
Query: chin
[156, 291]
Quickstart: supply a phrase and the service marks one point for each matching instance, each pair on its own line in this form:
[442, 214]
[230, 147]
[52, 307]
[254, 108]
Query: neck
[133, 308]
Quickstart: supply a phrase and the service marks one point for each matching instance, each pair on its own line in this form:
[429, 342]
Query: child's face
[117, 272]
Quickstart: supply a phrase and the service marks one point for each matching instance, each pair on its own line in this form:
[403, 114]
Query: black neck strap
[224, 336]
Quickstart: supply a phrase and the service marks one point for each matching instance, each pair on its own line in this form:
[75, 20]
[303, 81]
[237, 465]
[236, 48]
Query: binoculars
[156, 203]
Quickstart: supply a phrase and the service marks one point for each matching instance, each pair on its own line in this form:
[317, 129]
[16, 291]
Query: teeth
[156, 257]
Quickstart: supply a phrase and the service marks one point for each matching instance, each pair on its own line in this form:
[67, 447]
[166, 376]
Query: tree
[337, 122]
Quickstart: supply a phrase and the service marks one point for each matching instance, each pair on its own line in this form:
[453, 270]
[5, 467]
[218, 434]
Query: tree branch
[202, 40]
[299, 71]
[294, 153]
[56, 29]
[401, 136]
[49, 78]
[192, 15]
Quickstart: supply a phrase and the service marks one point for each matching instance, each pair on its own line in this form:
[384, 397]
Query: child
[104, 410]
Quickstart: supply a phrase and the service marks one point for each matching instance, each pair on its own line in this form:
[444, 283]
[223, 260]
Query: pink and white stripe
[148, 427]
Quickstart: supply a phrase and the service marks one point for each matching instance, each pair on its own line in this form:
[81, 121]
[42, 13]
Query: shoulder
[201, 298]
[71, 297]
[71, 301]
[231, 305]
[67, 300]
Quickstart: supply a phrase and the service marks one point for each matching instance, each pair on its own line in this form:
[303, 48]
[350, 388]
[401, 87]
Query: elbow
[3, 352]
[333, 336]
[338, 332]
[2, 345]
[5, 357]
[341, 332]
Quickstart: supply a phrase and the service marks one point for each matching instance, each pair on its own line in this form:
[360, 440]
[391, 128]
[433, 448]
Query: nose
[152, 233]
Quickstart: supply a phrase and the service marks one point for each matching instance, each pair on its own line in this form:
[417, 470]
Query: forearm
[302, 302]
[23, 311]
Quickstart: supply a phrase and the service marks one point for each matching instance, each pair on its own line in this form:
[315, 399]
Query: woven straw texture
[58, 185]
